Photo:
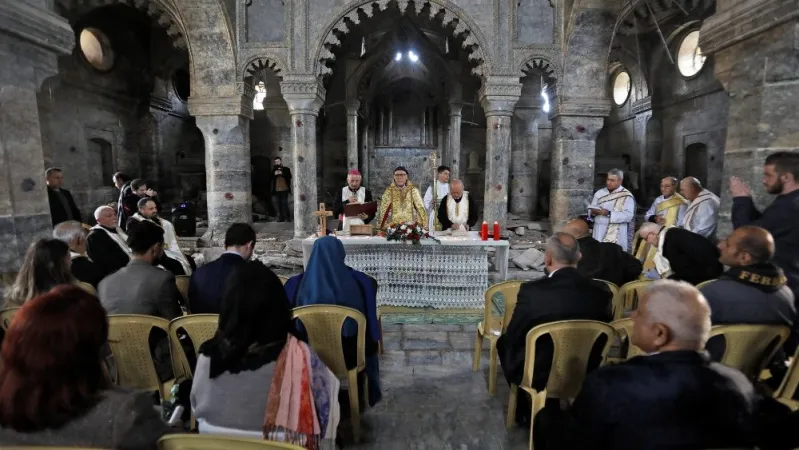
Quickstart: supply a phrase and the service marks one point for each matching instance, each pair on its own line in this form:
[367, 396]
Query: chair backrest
[750, 347]
[212, 442]
[704, 283]
[86, 287]
[573, 341]
[182, 281]
[509, 291]
[612, 286]
[6, 316]
[128, 336]
[323, 323]
[790, 382]
[199, 327]
[627, 297]
[624, 327]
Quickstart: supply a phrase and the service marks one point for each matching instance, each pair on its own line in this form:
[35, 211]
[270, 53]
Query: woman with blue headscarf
[329, 281]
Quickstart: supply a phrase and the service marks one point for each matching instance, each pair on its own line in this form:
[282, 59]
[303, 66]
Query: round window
[621, 88]
[690, 59]
[96, 48]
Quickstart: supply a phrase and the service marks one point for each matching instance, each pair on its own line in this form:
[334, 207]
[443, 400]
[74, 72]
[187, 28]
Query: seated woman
[253, 361]
[54, 390]
[328, 281]
[46, 265]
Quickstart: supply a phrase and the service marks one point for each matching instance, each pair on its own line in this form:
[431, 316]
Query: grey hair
[68, 231]
[694, 182]
[649, 227]
[616, 173]
[682, 308]
[564, 248]
[99, 211]
[456, 181]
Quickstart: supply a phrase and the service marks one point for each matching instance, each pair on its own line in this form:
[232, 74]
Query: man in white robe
[613, 211]
[669, 208]
[702, 215]
[433, 196]
[353, 192]
[148, 211]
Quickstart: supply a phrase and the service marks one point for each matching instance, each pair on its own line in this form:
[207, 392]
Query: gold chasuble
[646, 252]
[398, 205]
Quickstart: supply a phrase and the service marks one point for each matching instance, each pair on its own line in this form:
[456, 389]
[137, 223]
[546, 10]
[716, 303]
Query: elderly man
[602, 260]
[702, 215]
[613, 210]
[681, 254]
[401, 202]
[62, 205]
[73, 234]
[353, 192]
[434, 196]
[673, 398]
[107, 244]
[457, 211]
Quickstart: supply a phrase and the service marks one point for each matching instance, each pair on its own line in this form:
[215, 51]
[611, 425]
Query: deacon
[432, 201]
[353, 192]
[702, 214]
[681, 254]
[667, 210]
[148, 211]
[613, 209]
[457, 211]
[107, 244]
[401, 202]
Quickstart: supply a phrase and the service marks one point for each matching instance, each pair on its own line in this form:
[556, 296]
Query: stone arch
[474, 40]
[254, 66]
[549, 70]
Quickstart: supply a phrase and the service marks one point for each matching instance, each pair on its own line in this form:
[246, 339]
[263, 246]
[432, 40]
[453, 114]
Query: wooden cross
[323, 214]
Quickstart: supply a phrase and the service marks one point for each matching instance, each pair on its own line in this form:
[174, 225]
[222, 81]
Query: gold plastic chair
[86, 287]
[211, 442]
[612, 286]
[199, 327]
[491, 327]
[182, 281]
[624, 328]
[323, 323]
[128, 336]
[573, 341]
[704, 283]
[627, 297]
[790, 383]
[750, 347]
[6, 316]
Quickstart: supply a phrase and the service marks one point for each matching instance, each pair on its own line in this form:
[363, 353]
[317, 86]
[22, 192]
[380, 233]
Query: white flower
[403, 227]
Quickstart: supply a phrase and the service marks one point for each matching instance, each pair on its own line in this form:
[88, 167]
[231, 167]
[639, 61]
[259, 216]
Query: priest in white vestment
[433, 196]
[702, 215]
[669, 208]
[148, 210]
[613, 212]
[458, 211]
[353, 192]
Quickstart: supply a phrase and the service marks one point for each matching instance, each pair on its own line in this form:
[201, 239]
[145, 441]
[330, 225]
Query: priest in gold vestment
[401, 202]
[667, 210]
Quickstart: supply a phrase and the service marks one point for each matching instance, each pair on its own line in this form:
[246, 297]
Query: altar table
[445, 273]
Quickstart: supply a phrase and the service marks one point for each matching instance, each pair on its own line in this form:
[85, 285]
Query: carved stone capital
[580, 107]
[499, 94]
[527, 113]
[352, 107]
[304, 94]
[742, 20]
[220, 106]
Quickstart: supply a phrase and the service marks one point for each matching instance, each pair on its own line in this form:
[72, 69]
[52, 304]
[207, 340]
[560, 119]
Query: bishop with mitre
[352, 194]
[458, 211]
[401, 202]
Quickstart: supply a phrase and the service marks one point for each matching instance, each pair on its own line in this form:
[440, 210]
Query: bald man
[107, 244]
[702, 215]
[602, 260]
[457, 211]
[681, 254]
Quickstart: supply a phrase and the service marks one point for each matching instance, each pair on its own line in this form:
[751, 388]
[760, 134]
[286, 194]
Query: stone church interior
[532, 104]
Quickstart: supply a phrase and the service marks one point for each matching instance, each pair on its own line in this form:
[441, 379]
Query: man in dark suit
[682, 254]
[62, 205]
[563, 295]
[107, 244]
[602, 260]
[73, 234]
[207, 284]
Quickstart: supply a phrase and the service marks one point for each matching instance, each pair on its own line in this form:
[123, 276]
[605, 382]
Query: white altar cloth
[451, 272]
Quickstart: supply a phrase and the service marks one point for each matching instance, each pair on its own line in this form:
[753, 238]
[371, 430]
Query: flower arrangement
[407, 232]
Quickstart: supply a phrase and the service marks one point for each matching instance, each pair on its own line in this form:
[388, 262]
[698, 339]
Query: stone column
[524, 161]
[454, 145]
[575, 129]
[352, 133]
[498, 97]
[753, 45]
[304, 95]
[31, 39]
[364, 158]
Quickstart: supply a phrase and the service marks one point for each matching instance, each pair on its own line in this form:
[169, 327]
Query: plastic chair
[624, 328]
[704, 283]
[212, 442]
[627, 297]
[750, 347]
[612, 286]
[199, 327]
[182, 282]
[491, 327]
[787, 390]
[6, 316]
[573, 341]
[128, 336]
[323, 323]
[86, 287]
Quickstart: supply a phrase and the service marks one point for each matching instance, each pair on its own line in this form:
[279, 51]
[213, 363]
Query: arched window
[621, 87]
[96, 49]
[690, 59]
[260, 95]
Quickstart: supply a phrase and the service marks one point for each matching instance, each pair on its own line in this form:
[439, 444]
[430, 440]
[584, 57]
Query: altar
[442, 273]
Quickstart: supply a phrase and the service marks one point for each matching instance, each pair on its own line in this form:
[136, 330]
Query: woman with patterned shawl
[254, 378]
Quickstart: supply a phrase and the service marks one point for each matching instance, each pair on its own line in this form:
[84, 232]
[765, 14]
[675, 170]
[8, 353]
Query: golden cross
[323, 214]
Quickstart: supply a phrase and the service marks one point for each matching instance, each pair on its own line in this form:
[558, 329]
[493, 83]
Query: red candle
[496, 231]
[484, 231]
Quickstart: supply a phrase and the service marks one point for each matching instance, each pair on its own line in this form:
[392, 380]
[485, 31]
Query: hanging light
[413, 56]
[398, 56]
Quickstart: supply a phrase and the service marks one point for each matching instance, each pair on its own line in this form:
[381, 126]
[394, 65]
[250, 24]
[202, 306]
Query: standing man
[121, 181]
[702, 215]
[281, 188]
[62, 205]
[129, 203]
[433, 196]
[353, 192]
[458, 211]
[401, 202]
[667, 210]
[613, 209]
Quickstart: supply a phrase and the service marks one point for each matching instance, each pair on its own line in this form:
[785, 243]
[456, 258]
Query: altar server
[457, 211]
[613, 210]
[353, 192]
[702, 215]
[432, 200]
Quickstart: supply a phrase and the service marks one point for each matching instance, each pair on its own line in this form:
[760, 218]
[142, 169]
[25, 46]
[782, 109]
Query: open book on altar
[355, 209]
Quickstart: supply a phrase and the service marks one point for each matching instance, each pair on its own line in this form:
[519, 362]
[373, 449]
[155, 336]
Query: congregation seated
[564, 294]
[329, 281]
[681, 254]
[207, 284]
[74, 235]
[54, 390]
[602, 260]
[45, 266]
[254, 364]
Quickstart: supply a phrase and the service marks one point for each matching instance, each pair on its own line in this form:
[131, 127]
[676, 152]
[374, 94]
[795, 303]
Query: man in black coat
[603, 260]
[84, 269]
[107, 244]
[62, 205]
[563, 295]
[682, 254]
[281, 188]
[353, 192]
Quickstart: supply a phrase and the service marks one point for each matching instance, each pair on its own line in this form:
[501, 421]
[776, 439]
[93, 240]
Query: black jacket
[338, 207]
[692, 257]
[607, 261]
[105, 253]
[443, 217]
[286, 174]
[57, 211]
[207, 285]
[566, 295]
[87, 271]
